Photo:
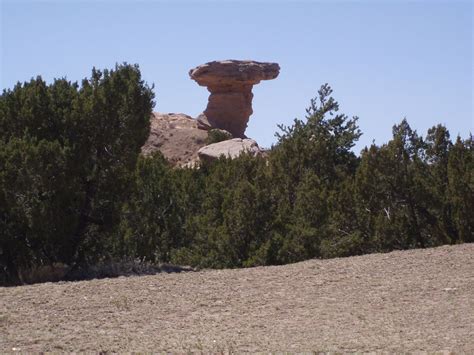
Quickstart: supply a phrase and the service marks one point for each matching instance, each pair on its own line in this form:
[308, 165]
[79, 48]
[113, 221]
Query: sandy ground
[401, 301]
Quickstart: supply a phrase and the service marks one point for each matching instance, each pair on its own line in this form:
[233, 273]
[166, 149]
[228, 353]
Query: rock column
[230, 83]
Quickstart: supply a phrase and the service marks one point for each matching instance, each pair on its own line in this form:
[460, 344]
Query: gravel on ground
[404, 301]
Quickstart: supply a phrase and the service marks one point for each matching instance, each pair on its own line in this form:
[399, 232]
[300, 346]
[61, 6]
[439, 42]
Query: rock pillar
[230, 83]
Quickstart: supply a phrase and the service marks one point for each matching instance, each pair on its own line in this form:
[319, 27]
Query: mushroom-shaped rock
[231, 148]
[230, 83]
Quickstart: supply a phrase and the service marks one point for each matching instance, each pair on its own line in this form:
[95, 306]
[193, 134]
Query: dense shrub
[74, 190]
[313, 197]
[66, 157]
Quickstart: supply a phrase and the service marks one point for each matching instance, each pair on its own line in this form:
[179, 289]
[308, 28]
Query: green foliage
[66, 157]
[217, 135]
[74, 190]
[152, 222]
[460, 190]
[407, 191]
[234, 215]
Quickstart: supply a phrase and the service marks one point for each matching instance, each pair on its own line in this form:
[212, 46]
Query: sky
[385, 60]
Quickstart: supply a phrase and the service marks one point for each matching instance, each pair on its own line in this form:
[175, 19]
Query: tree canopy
[74, 188]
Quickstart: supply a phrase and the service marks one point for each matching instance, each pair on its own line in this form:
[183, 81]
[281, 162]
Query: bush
[75, 192]
[217, 135]
[66, 157]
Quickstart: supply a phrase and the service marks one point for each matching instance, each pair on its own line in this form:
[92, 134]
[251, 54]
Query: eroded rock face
[177, 136]
[231, 148]
[230, 83]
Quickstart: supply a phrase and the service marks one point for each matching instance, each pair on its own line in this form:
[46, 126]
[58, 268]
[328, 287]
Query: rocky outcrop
[184, 140]
[231, 148]
[230, 83]
[177, 136]
[183, 144]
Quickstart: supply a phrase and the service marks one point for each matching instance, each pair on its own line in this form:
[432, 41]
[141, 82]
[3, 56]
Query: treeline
[74, 188]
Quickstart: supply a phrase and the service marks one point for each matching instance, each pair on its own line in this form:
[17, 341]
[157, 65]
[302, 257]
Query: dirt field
[402, 301]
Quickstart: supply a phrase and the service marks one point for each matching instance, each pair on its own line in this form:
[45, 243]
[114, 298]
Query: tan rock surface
[231, 148]
[230, 83]
[177, 136]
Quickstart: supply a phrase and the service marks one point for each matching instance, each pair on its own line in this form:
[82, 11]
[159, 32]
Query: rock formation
[231, 148]
[230, 83]
[177, 136]
[183, 144]
[184, 140]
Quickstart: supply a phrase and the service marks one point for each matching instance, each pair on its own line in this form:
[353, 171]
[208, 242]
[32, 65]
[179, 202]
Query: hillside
[401, 301]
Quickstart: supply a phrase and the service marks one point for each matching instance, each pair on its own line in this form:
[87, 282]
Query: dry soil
[396, 302]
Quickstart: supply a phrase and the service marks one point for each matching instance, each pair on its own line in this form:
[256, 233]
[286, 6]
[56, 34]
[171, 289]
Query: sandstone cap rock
[230, 85]
[225, 72]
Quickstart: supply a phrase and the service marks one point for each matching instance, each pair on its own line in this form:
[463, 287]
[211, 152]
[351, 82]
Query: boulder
[231, 148]
[230, 83]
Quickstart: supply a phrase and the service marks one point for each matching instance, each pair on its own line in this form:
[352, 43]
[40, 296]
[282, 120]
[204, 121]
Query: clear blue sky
[385, 60]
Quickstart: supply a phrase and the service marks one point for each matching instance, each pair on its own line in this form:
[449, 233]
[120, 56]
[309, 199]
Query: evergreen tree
[74, 188]
[309, 164]
[460, 173]
[153, 217]
[66, 155]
